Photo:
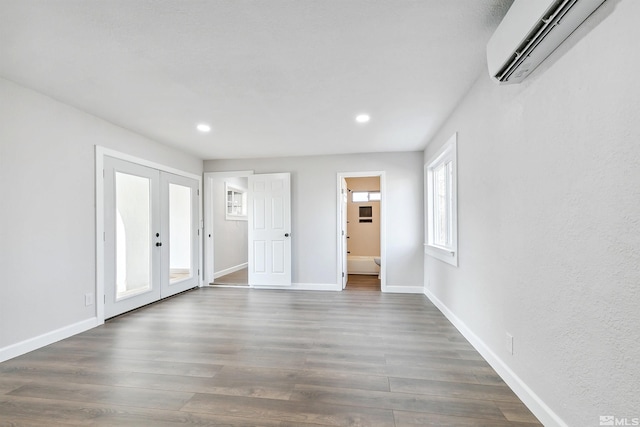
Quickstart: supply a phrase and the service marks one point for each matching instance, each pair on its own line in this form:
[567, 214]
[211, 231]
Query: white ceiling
[272, 77]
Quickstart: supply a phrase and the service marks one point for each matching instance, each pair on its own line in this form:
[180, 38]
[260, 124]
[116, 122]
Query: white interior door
[151, 235]
[179, 218]
[344, 196]
[132, 227]
[269, 216]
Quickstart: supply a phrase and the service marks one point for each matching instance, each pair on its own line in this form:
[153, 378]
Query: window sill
[446, 255]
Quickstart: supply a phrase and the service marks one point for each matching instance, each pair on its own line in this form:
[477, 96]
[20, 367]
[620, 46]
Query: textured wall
[549, 220]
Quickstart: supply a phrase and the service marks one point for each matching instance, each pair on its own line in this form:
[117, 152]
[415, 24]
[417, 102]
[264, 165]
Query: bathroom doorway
[361, 229]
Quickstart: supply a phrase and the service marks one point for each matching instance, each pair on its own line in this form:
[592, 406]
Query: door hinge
[104, 236]
[198, 231]
[198, 192]
[343, 274]
[198, 272]
[343, 232]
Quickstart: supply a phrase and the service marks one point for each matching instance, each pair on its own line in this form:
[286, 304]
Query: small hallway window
[365, 196]
[441, 202]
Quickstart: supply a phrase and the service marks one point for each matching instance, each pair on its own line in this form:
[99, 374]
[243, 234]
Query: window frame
[231, 216]
[377, 196]
[447, 153]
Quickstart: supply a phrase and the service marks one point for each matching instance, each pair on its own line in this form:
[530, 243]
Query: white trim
[539, 408]
[144, 162]
[47, 338]
[447, 152]
[100, 153]
[230, 270]
[418, 289]
[383, 225]
[209, 252]
[99, 203]
[303, 287]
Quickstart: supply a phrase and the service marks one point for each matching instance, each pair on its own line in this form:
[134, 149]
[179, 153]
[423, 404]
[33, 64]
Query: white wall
[313, 205]
[549, 221]
[230, 236]
[47, 215]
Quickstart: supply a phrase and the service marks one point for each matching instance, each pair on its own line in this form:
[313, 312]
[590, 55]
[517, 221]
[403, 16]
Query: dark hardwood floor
[244, 357]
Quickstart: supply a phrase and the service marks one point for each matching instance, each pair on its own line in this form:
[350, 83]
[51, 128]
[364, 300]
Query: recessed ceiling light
[362, 118]
[203, 127]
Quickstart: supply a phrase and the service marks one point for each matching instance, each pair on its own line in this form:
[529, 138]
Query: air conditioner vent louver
[529, 32]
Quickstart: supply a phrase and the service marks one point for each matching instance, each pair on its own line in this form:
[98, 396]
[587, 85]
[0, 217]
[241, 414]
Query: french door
[150, 239]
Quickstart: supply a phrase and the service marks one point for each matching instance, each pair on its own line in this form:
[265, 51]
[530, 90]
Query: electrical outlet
[509, 343]
[88, 299]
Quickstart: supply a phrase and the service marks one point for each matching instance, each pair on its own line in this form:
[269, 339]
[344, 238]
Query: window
[441, 196]
[365, 196]
[236, 203]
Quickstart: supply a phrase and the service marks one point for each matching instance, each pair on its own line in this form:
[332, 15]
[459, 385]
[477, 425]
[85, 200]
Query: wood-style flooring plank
[452, 389]
[291, 411]
[123, 396]
[517, 412]
[45, 412]
[420, 419]
[399, 401]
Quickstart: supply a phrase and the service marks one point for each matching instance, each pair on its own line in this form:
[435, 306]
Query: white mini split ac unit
[529, 32]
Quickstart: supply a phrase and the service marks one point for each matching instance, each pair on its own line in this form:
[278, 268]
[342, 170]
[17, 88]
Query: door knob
[159, 244]
[286, 234]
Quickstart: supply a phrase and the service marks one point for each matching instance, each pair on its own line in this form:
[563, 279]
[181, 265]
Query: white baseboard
[230, 270]
[304, 287]
[45, 339]
[540, 409]
[316, 287]
[338, 287]
[390, 289]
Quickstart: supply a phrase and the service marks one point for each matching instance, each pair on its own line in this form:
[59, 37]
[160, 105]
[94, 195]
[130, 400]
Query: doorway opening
[226, 229]
[361, 231]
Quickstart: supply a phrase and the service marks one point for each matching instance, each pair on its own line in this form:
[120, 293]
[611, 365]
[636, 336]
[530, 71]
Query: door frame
[209, 224]
[341, 250]
[100, 153]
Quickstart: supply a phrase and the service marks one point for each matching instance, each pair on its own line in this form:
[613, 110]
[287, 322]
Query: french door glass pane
[180, 227]
[133, 235]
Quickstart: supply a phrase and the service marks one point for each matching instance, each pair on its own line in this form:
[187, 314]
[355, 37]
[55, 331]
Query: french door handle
[159, 244]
